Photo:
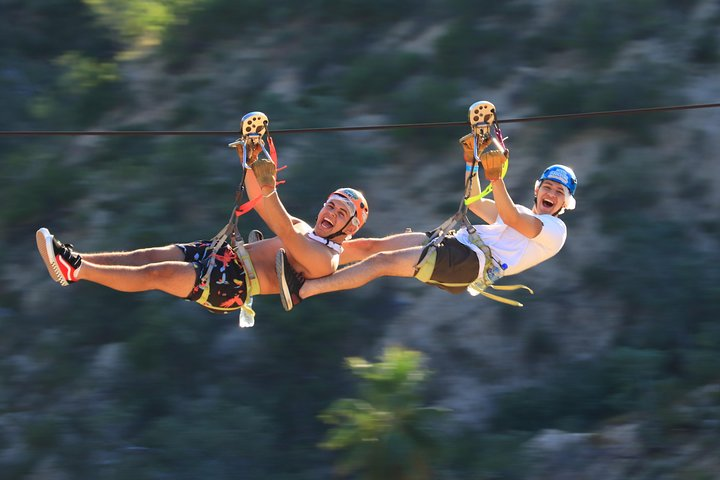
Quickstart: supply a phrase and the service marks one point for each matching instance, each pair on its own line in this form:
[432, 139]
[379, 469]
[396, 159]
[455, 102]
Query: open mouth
[325, 223]
[548, 203]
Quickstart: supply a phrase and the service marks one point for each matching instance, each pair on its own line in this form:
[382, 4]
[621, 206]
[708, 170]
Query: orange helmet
[356, 203]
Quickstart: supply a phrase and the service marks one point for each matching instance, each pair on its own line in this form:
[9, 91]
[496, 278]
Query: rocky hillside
[610, 369]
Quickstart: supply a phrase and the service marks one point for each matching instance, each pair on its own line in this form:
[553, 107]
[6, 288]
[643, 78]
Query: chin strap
[326, 241]
[339, 232]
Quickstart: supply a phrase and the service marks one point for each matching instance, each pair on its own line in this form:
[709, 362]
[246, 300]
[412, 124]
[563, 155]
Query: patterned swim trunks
[226, 289]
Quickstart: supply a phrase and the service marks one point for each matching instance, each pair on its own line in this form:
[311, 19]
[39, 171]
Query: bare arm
[305, 254]
[262, 206]
[528, 225]
[483, 208]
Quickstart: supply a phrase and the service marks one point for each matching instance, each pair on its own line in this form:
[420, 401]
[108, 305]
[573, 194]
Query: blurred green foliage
[384, 433]
[138, 22]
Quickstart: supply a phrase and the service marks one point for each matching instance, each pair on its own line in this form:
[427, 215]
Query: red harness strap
[250, 204]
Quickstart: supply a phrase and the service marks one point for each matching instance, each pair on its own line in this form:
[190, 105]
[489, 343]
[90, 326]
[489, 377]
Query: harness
[253, 126]
[486, 134]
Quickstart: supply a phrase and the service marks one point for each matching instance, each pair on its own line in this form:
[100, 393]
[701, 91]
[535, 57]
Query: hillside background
[610, 371]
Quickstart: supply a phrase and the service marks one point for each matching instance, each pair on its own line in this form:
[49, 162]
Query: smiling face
[550, 198]
[333, 217]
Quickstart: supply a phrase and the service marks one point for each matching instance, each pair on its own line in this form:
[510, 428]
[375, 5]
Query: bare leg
[399, 263]
[136, 258]
[175, 278]
[359, 249]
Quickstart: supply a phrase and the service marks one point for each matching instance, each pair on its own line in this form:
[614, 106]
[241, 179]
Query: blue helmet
[564, 176]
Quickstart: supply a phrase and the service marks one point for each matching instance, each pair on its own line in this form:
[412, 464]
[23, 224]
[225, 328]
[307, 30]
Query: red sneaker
[60, 259]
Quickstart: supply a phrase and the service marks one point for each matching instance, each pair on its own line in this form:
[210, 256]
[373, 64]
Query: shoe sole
[43, 237]
[282, 284]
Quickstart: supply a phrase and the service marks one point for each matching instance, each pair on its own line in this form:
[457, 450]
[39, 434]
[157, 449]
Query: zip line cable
[153, 133]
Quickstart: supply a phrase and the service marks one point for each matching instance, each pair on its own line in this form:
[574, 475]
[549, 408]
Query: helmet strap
[341, 231]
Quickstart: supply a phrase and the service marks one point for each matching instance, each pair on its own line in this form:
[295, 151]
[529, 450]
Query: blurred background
[610, 371]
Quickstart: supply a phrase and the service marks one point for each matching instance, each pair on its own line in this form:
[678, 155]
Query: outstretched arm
[311, 261]
[254, 190]
[493, 158]
[528, 225]
[483, 208]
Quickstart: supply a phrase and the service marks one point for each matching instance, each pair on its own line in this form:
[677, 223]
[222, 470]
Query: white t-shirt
[514, 249]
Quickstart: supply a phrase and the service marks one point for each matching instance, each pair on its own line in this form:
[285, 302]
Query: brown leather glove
[493, 159]
[252, 153]
[467, 146]
[265, 171]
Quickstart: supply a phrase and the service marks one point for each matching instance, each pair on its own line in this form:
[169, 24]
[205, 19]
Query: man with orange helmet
[514, 239]
[236, 274]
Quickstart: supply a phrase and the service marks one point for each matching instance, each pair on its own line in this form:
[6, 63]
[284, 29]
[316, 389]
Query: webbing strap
[423, 269]
[253, 127]
[494, 135]
[498, 298]
[247, 206]
[217, 241]
[247, 314]
[253, 284]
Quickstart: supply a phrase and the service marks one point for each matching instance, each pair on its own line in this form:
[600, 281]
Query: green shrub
[372, 13]
[377, 74]
[480, 50]
[645, 84]
[473, 454]
[44, 29]
[427, 99]
[705, 48]
[600, 29]
[205, 438]
[539, 343]
[31, 191]
[630, 178]
[573, 397]
[43, 433]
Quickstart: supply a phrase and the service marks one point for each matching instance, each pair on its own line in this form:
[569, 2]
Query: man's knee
[172, 277]
[396, 263]
[157, 273]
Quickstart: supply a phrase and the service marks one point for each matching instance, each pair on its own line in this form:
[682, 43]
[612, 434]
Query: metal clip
[253, 127]
[481, 116]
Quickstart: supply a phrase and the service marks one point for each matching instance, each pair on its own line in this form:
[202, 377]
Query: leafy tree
[139, 22]
[384, 432]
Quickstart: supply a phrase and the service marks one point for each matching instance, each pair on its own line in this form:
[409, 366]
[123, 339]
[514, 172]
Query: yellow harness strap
[489, 188]
[424, 269]
[247, 314]
[492, 272]
[252, 280]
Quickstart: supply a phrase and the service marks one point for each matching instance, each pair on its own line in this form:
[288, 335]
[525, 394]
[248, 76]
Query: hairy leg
[136, 258]
[398, 263]
[175, 278]
[359, 249]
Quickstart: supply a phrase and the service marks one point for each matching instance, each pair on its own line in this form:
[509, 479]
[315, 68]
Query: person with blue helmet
[564, 176]
[514, 239]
